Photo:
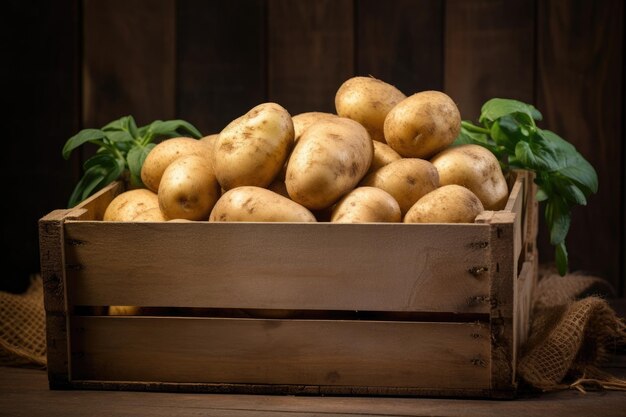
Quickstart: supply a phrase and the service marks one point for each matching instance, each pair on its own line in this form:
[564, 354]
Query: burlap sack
[572, 333]
[23, 327]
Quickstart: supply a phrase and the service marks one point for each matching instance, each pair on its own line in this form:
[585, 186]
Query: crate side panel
[388, 267]
[309, 352]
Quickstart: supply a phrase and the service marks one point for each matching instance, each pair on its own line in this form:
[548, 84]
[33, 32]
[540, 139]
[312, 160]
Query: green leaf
[136, 156]
[119, 136]
[560, 257]
[100, 170]
[172, 128]
[498, 107]
[82, 137]
[558, 217]
[123, 124]
[536, 156]
[541, 195]
[471, 134]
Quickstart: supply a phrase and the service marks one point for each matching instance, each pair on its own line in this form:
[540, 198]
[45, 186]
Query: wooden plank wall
[210, 61]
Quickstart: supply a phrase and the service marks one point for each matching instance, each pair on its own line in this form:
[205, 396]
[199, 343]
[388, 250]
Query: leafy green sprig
[564, 178]
[122, 148]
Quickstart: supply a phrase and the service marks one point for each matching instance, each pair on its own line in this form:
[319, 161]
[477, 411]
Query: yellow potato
[151, 215]
[303, 120]
[366, 205]
[423, 124]
[129, 204]
[253, 148]
[328, 161]
[447, 204]
[477, 169]
[188, 189]
[407, 180]
[383, 155]
[367, 100]
[164, 154]
[255, 204]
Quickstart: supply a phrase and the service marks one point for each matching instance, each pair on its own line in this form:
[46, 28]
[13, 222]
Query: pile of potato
[383, 157]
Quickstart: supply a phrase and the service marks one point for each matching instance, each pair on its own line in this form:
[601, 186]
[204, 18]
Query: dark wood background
[71, 64]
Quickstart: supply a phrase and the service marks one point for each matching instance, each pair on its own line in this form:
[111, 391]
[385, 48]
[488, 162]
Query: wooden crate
[359, 309]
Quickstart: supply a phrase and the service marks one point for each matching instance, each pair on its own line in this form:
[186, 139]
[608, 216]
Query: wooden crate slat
[388, 267]
[312, 352]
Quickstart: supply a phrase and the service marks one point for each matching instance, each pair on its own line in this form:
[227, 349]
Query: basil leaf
[535, 156]
[82, 137]
[541, 195]
[558, 218]
[89, 181]
[136, 156]
[100, 170]
[172, 128]
[119, 136]
[498, 107]
[561, 258]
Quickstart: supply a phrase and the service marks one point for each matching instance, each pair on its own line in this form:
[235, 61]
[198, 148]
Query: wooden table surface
[24, 392]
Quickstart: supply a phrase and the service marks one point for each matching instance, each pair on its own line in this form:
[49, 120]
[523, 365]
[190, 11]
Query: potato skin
[303, 120]
[256, 204]
[383, 155]
[423, 124]
[151, 215]
[252, 149]
[164, 153]
[366, 205]
[475, 168]
[407, 180]
[188, 189]
[447, 204]
[367, 100]
[328, 161]
[129, 204]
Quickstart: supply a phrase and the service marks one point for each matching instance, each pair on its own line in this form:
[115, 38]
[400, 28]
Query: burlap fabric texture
[23, 327]
[572, 333]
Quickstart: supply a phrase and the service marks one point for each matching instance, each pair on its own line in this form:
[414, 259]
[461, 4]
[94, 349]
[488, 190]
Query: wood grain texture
[280, 265]
[53, 275]
[25, 393]
[221, 60]
[128, 62]
[310, 52]
[579, 86]
[401, 42]
[489, 52]
[296, 352]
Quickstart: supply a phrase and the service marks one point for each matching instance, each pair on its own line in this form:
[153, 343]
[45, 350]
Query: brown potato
[253, 148]
[407, 180]
[256, 204]
[423, 124]
[129, 204]
[477, 169]
[366, 205]
[188, 189]
[303, 120]
[383, 155]
[151, 215]
[164, 154]
[328, 161]
[447, 204]
[367, 100]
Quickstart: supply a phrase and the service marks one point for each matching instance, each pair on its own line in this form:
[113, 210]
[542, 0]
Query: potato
[477, 169]
[383, 155]
[303, 120]
[129, 204]
[328, 161]
[255, 204]
[447, 204]
[253, 148]
[422, 125]
[407, 180]
[188, 189]
[365, 205]
[367, 100]
[165, 153]
[151, 215]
